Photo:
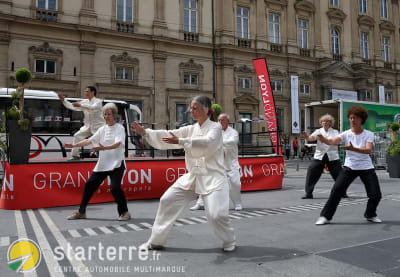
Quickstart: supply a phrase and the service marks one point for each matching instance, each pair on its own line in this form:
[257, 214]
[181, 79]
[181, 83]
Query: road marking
[134, 227]
[105, 230]
[185, 221]
[74, 233]
[120, 228]
[47, 251]
[197, 219]
[147, 225]
[90, 231]
[234, 216]
[5, 241]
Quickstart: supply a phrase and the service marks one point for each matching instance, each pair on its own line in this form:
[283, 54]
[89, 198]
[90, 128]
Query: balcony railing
[388, 65]
[244, 43]
[305, 52]
[46, 15]
[277, 48]
[125, 27]
[189, 36]
[337, 57]
[366, 61]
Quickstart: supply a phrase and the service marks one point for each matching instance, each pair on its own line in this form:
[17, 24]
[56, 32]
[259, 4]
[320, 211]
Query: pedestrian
[93, 116]
[295, 144]
[358, 145]
[204, 158]
[306, 152]
[109, 140]
[324, 156]
[230, 143]
[287, 149]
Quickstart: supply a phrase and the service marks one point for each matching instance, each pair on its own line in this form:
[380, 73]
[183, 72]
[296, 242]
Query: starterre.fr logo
[24, 255]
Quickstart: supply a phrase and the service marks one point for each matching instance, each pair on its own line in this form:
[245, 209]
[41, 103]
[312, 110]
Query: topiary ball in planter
[23, 75]
[217, 110]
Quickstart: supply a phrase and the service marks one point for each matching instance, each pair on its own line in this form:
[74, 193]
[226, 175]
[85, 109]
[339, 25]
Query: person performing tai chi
[325, 155]
[230, 142]
[93, 116]
[109, 140]
[358, 145]
[204, 160]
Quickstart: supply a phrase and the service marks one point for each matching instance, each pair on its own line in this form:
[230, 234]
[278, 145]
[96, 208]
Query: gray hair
[205, 103]
[112, 107]
[327, 117]
[224, 114]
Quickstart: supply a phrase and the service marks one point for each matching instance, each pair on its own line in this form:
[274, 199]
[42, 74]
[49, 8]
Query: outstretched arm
[332, 141]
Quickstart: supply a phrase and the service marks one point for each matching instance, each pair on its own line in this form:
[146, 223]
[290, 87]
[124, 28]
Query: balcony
[244, 43]
[366, 61]
[337, 57]
[305, 52]
[124, 27]
[277, 48]
[46, 15]
[388, 65]
[189, 36]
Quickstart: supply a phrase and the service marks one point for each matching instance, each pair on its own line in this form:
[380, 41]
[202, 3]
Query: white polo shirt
[322, 148]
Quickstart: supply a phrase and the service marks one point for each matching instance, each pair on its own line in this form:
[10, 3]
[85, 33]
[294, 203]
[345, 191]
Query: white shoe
[322, 221]
[197, 207]
[230, 248]
[238, 207]
[374, 219]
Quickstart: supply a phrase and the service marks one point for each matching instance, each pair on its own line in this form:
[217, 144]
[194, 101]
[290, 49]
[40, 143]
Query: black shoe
[345, 196]
[307, 196]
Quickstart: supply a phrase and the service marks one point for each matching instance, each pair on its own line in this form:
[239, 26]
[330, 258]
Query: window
[244, 83]
[386, 49]
[244, 127]
[47, 4]
[45, 66]
[364, 45]
[125, 10]
[183, 115]
[334, 3]
[335, 42]
[384, 9]
[124, 73]
[364, 6]
[242, 18]
[305, 89]
[280, 118]
[190, 13]
[364, 95]
[276, 86]
[191, 79]
[274, 28]
[388, 97]
[303, 33]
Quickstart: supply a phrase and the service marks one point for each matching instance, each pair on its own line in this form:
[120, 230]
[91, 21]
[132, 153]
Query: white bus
[53, 124]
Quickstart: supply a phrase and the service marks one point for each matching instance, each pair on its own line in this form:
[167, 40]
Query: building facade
[160, 53]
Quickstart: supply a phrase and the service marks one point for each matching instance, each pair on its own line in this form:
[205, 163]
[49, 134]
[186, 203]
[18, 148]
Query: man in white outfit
[230, 140]
[93, 116]
[204, 159]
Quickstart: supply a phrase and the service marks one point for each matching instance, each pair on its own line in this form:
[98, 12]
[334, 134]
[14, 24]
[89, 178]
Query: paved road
[276, 236]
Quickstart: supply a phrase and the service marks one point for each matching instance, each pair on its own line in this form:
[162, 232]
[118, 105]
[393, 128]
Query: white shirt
[204, 155]
[322, 148]
[93, 113]
[107, 135]
[355, 160]
[230, 139]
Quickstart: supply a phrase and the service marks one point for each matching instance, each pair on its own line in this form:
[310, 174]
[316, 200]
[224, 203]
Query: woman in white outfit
[204, 160]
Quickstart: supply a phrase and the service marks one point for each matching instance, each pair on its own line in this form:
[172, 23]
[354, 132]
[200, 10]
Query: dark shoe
[345, 196]
[308, 196]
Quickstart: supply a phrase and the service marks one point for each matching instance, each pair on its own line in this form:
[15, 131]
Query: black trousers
[315, 170]
[346, 177]
[95, 181]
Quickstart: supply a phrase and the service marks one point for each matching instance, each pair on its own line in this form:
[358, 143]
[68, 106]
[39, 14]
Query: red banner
[40, 185]
[260, 66]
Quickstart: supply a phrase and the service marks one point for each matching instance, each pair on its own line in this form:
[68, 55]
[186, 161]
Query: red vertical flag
[260, 66]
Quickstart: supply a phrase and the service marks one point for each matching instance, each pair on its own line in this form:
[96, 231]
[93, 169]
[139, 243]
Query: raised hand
[137, 128]
[349, 147]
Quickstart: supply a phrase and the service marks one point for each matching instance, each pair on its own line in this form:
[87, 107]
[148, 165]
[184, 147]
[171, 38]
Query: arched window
[335, 41]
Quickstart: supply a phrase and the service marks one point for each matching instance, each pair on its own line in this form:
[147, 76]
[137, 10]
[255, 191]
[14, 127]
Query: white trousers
[175, 199]
[79, 136]
[234, 188]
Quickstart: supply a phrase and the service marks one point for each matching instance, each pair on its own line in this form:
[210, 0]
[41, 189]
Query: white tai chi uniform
[92, 121]
[230, 142]
[204, 160]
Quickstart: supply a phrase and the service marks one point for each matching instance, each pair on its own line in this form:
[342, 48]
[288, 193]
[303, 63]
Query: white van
[53, 124]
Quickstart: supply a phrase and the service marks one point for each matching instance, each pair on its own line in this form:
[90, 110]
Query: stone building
[159, 53]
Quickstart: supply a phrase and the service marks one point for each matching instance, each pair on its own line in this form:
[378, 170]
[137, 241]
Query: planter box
[393, 164]
[19, 143]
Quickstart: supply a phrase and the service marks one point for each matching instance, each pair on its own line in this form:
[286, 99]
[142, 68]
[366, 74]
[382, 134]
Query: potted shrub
[19, 122]
[393, 152]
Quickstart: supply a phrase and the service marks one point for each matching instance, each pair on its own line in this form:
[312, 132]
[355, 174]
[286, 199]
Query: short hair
[92, 89]
[224, 114]
[358, 111]
[112, 107]
[327, 117]
[205, 103]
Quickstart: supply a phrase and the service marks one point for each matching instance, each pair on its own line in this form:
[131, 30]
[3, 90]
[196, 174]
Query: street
[276, 236]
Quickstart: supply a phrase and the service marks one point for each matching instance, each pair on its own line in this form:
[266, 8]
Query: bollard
[297, 165]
